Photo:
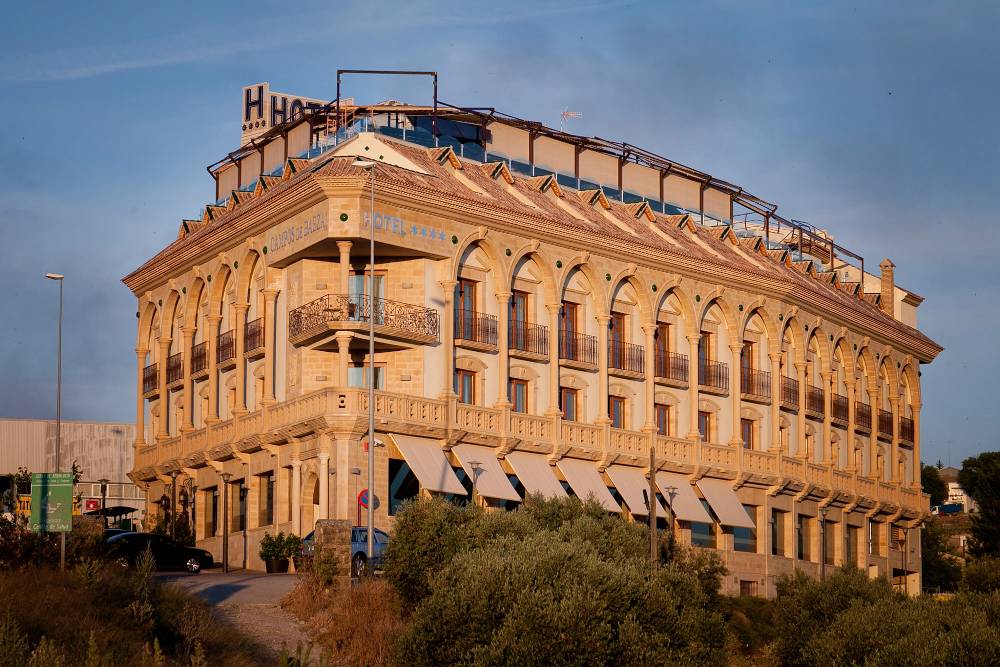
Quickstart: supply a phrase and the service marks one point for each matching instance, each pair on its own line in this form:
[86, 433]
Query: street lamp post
[173, 505]
[369, 167]
[225, 520]
[58, 277]
[477, 467]
[104, 500]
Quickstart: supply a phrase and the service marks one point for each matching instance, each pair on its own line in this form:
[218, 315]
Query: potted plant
[291, 548]
[272, 552]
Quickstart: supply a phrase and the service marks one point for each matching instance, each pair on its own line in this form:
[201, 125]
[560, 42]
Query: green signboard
[52, 502]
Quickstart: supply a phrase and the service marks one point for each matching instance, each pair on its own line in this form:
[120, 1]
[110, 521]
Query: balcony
[528, 341]
[578, 350]
[625, 359]
[713, 376]
[476, 331]
[253, 339]
[884, 424]
[862, 417]
[906, 429]
[815, 398]
[840, 405]
[225, 350]
[150, 381]
[755, 385]
[789, 393]
[671, 367]
[316, 322]
[175, 369]
[199, 360]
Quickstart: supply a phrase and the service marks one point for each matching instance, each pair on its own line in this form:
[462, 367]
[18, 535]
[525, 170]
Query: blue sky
[877, 123]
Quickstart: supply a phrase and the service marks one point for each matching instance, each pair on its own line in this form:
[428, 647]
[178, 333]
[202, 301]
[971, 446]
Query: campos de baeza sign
[52, 502]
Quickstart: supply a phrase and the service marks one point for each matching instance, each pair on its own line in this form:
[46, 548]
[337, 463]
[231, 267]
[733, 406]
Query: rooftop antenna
[566, 116]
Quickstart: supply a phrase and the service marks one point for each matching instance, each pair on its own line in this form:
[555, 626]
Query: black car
[168, 554]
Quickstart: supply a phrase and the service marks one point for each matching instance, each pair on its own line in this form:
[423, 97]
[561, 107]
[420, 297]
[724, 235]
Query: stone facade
[520, 313]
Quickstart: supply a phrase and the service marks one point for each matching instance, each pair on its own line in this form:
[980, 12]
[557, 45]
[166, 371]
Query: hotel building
[548, 308]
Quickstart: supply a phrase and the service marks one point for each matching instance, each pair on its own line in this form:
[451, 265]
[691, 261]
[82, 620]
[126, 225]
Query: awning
[428, 463]
[481, 463]
[536, 474]
[586, 482]
[685, 504]
[720, 495]
[631, 482]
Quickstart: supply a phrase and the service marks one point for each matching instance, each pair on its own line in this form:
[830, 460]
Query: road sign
[52, 502]
[363, 498]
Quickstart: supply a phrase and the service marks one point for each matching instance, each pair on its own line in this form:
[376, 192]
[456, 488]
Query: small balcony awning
[631, 482]
[428, 463]
[586, 481]
[480, 463]
[685, 503]
[720, 495]
[536, 474]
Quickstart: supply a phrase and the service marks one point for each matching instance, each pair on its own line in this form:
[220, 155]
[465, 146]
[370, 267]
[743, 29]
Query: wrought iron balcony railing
[755, 384]
[671, 366]
[789, 393]
[225, 348]
[815, 397]
[625, 356]
[253, 336]
[402, 318]
[476, 327]
[150, 379]
[578, 347]
[528, 337]
[840, 407]
[862, 416]
[885, 423]
[175, 368]
[199, 357]
[906, 429]
[713, 374]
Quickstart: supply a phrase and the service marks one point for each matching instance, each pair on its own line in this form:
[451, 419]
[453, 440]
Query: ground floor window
[745, 539]
[748, 588]
[212, 515]
[265, 499]
[238, 500]
[875, 538]
[851, 534]
[829, 542]
[703, 534]
[777, 533]
[403, 485]
[802, 536]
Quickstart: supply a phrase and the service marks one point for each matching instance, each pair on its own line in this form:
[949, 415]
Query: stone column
[649, 376]
[140, 403]
[776, 376]
[873, 431]
[693, 339]
[188, 340]
[828, 384]
[801, 449]
[161, 380]
[503, 349]
[297, 497]
[602, 368]
[213, 368]
[269, 327]
[894, 406]
[343, 491]
[917, 466]
[851, 426]
[553, 309]
[324, 478]
[343, 340]
[448, 338]
[344, 267]
[241, 367]
[736, 393]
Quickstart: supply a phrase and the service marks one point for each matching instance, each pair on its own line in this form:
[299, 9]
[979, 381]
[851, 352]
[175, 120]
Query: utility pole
[653, 555]
[58, 277]
[225, 521]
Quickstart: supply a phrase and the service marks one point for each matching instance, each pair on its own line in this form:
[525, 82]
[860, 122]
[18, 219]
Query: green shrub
[272, 547]
[554, 582]
[982, 575]
[290, 545]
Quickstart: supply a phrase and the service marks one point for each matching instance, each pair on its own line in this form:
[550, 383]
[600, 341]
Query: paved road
[250, 601]
[217, 588]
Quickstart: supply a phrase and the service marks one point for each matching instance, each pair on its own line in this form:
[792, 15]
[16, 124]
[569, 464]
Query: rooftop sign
[263, 108]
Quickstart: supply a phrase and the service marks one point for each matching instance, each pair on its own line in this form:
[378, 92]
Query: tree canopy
[980, 478]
